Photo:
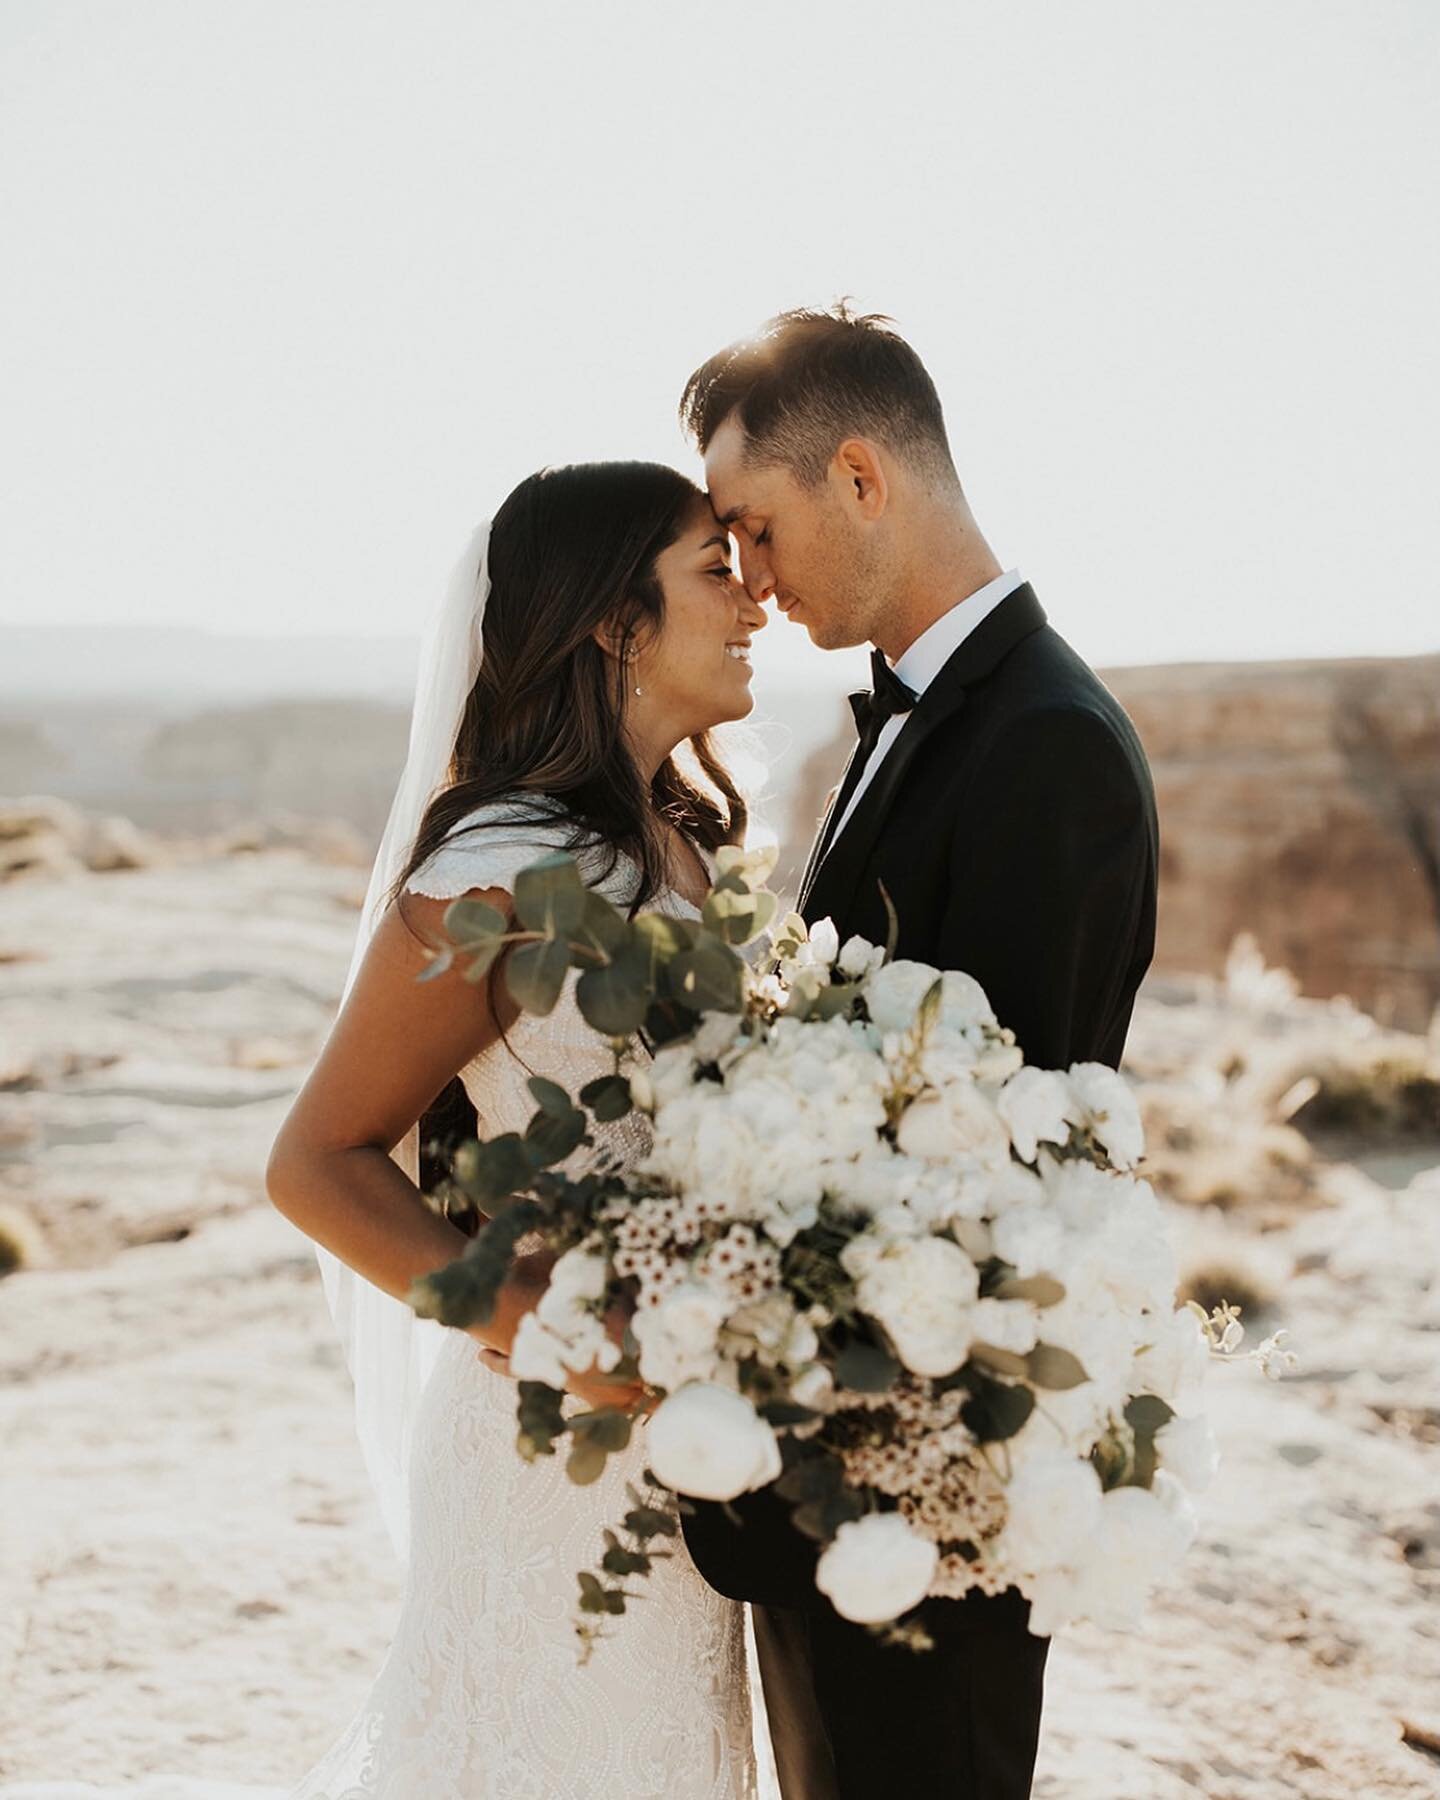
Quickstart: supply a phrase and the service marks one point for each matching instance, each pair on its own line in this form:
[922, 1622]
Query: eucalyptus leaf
[437, 966]
[469, 922]
[659, 937]
[709, 978]
[615, 997]
[786, 1412]
[540, 1418]
[608, 1097]
[482, 958]
[500, 1167]
[550, 896]
[551, 1137]
[535, 974]
[996, 1410]
[607, 1426]
[892, 923]
[464, 1292]
[1148, 1412]
[648, 1521]
[549, 1096]
[1042, 1290]
[865, 1367]
[1048, 1366]
[999, 1361]
[602, 925]
[618, 1561]
[586, 1462]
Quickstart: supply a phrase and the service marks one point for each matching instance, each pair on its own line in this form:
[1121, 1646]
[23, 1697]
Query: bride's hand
[593, 1385]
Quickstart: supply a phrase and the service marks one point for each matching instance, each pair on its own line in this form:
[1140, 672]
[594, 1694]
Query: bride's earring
[630, 657]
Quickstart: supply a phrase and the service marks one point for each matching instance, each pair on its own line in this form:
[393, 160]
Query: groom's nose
[755, 573]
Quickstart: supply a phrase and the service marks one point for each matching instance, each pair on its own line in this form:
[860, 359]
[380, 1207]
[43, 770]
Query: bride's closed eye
[721, 573]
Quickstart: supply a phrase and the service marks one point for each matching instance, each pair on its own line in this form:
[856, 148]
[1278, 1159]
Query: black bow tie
[889, 696]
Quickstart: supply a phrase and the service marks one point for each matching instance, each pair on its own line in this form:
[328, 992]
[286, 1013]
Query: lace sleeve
[489, 847]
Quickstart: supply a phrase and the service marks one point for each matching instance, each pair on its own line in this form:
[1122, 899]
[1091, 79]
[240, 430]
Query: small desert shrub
[1393, 1091]
[19, 1241]
[1247, 1290]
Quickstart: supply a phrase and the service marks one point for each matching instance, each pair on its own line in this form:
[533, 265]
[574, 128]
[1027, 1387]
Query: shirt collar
[934, 647]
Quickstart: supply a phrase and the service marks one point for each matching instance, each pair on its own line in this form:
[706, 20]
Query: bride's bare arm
[395, 1045]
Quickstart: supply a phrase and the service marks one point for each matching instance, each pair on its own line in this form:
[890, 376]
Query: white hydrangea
[893, 994]
[1007, 1324]
[1187, 1449]
[563, 1331]
[1031, 1239]
[1037, 1106]
[956, 1120]
[678, 1338]
[1106, 1104]
[773, 1331]
[1172, 1360]
[922, 1290]
[1052, 1508]
[859, 958]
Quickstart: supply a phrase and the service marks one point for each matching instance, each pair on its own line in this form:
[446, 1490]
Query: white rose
[860, 958]
[1108, 1106]
[893, 994]
[1038, 1106]
[1053, 1512]
[710, 1443]
[876, 1568]
[677, 1337]
[1187, 1448]
[956, 1121]
[922, 1290]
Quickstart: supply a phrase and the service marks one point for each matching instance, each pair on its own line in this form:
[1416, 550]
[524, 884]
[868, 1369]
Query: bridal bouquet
[869, 1256]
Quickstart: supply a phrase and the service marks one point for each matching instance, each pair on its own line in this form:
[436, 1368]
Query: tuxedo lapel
[838, 860]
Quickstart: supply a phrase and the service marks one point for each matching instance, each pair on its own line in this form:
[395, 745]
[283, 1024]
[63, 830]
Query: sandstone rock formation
[1298, 801]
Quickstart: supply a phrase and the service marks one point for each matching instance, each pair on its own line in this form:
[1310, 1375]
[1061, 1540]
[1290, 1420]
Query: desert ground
[195, 1588]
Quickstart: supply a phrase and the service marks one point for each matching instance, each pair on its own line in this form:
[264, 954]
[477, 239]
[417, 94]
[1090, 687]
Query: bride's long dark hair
[573, 550]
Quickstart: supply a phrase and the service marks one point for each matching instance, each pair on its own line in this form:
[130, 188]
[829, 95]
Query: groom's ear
[859, 468]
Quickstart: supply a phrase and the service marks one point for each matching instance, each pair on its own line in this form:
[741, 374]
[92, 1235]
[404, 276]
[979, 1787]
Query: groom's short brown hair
[809, 379]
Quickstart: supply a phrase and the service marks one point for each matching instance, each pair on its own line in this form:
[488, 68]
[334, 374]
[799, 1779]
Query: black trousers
[853, 1720]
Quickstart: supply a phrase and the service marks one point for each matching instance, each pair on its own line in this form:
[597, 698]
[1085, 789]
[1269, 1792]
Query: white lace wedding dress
[481, 1695]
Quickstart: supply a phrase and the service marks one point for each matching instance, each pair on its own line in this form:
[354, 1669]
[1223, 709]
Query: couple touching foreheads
[595, 633]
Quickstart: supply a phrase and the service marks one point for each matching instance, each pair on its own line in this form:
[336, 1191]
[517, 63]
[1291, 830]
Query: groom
[1000, 796]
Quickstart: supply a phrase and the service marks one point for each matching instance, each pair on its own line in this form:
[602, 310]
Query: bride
[591, 632]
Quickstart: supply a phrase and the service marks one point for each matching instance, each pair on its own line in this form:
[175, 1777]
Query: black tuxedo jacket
[1013, 825]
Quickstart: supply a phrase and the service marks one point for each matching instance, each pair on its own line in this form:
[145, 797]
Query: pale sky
[295, 292]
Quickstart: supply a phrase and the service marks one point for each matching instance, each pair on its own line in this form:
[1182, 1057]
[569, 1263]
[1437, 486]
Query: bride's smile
[693, 670]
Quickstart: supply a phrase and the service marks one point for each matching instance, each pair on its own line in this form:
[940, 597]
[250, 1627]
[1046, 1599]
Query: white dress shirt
[924, 660]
